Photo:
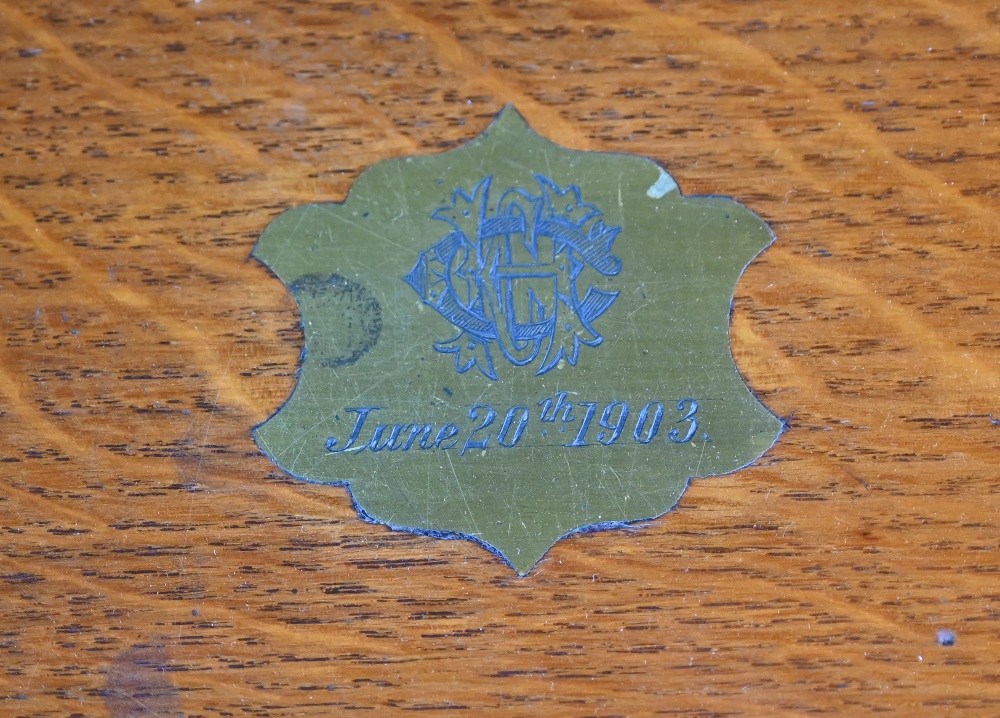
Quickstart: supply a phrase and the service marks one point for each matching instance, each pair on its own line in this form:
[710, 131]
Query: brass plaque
[513, 341]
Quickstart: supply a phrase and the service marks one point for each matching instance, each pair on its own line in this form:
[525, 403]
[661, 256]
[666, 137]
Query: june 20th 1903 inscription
[479, 432]
[513, 341]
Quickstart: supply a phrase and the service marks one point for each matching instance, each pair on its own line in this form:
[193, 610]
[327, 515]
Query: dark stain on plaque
[138, 684]
[346, 314]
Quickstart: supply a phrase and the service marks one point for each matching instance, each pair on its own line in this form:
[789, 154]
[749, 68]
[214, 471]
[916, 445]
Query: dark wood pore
[153, 562]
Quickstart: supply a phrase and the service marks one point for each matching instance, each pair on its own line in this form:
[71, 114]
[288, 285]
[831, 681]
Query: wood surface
[154, 563]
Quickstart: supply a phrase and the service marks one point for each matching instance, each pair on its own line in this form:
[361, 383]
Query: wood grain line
[45, 39]
[934, 347]
[131, 300]
[461, 59]
[746, 58]
[960, 15]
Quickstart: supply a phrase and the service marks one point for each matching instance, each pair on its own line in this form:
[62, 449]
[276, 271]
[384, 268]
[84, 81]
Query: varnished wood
[155, 563]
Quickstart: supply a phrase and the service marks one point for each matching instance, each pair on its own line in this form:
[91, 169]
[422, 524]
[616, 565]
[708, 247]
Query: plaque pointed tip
[521, 553]
[509, 116]
[510, 107]
[523, 566]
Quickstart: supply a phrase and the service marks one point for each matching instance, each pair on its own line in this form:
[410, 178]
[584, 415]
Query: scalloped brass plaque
[513, 341]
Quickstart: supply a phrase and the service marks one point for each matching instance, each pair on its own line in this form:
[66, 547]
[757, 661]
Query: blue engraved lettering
[447, 431]
[392, 442]
[519, 429]
[614, 417]
[362, 412]
[588, 417]
[616, 426]
[690, 406]
[640, 425]
[424, 431]
[509, 276]
[487, 420]
[551, 408]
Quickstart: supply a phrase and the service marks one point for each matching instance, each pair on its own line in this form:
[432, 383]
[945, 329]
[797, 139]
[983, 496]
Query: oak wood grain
[153, 562]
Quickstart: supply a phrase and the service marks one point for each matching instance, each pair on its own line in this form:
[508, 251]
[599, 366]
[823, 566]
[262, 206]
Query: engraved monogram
[508, 276]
